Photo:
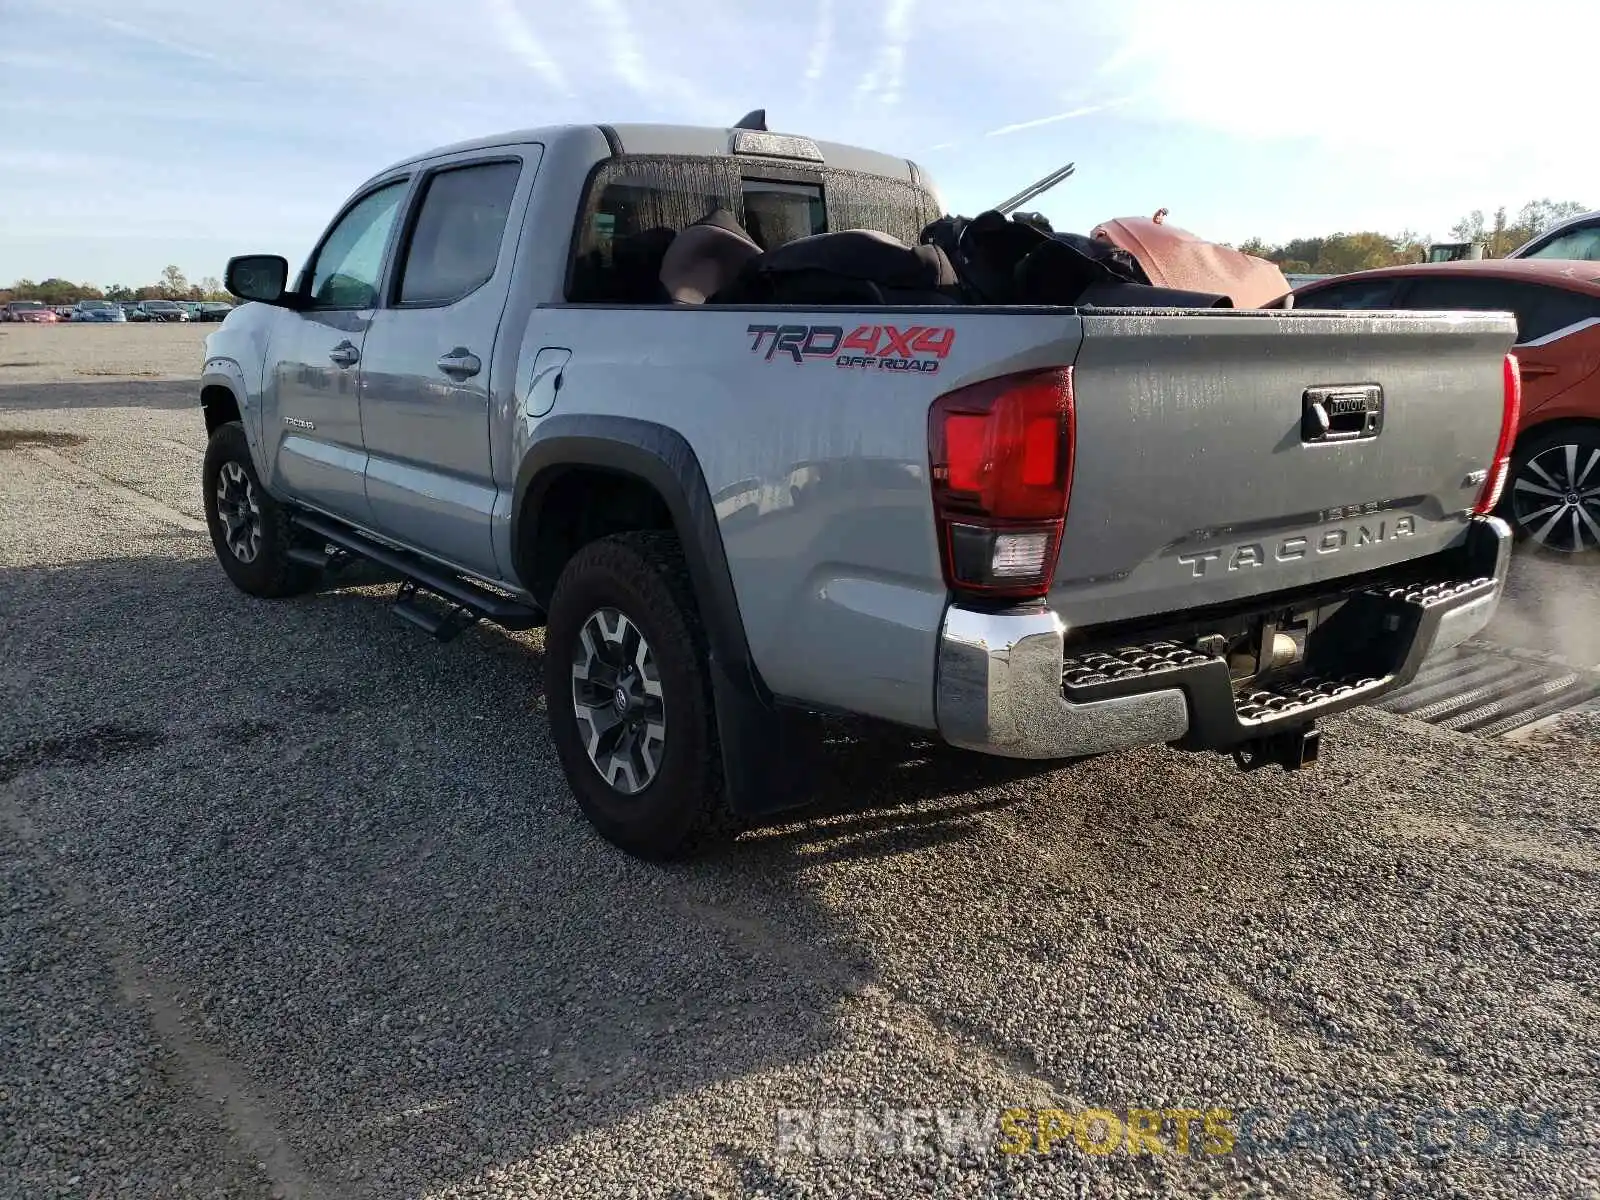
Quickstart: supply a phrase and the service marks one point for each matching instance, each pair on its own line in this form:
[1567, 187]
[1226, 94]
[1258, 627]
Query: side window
[346, 270]
[1582, 243]
[1357, 293]
[455, 244]
[1551, 310]
[1539, 310]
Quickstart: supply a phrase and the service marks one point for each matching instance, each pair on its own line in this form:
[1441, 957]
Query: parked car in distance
[212, 310]
[1553, 493]
[99, 312]
[31, 311]
[1576, 239]
[161, 310]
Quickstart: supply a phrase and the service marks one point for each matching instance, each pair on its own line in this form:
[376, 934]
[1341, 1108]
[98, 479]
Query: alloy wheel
[618, 702]
[239, 511]
[1556, 498]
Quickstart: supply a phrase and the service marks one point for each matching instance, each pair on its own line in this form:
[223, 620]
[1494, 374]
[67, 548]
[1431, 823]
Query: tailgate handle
[1345, 413]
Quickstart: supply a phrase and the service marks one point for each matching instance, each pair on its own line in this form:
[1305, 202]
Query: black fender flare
[763, 752]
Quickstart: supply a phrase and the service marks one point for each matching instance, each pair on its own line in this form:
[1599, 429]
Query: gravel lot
[296, 904]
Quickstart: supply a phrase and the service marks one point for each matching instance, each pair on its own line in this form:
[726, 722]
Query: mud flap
[769, 754]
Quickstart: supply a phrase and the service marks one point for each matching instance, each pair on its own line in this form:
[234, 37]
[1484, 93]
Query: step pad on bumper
[1129, 662]
[1283, 699]
[1222, 712]
[1431, 595]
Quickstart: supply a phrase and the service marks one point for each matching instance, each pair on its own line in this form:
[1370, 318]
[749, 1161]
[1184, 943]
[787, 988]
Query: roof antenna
[755, 119]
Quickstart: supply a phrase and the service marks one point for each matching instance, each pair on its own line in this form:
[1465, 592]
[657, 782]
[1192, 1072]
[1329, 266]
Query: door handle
[1530, 370]
[460, 363]
[345, 354]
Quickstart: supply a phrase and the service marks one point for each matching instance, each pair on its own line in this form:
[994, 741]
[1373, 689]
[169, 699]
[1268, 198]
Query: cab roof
[688, 140]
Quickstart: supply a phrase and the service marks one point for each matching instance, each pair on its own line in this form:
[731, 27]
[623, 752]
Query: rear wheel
[249, 529]
[1553, 493]
[627, 688]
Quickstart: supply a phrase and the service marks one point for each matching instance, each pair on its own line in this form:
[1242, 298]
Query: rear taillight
[1510, 418]
[1001, 457]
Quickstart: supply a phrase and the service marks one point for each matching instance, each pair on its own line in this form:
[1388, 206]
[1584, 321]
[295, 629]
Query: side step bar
[468, 602]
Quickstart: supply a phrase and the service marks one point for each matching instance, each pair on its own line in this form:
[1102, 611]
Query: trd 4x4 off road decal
[870, 347]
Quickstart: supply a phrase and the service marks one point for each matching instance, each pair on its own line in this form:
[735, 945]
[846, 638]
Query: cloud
[1419, 77]
[32, 163]
[626, 60]
[821, 47]
[1086, 110]
[660, 88]
[887, 74]
[165, 43]
[522, 42]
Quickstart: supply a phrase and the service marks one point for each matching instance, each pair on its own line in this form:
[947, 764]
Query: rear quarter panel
[818, 472]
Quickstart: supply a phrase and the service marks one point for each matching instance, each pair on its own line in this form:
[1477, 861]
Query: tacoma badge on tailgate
[1289, 549]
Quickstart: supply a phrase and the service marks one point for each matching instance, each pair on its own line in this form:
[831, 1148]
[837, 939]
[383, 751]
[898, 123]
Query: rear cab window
[636, 204]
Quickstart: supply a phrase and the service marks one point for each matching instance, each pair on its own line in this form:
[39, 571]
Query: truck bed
[1192, 484]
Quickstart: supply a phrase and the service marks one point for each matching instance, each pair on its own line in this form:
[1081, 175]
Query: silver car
[104, 312]
[1577, 239]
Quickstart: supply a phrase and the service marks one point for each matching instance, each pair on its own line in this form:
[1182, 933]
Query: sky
[137, 133]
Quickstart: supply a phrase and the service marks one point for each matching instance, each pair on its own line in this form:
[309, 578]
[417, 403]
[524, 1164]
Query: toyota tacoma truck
[1031, 532]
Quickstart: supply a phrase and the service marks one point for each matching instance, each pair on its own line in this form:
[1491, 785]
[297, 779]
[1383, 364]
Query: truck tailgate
[1199, 478]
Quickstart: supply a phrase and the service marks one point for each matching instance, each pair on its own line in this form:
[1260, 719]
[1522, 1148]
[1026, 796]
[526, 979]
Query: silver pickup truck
[1032, 532]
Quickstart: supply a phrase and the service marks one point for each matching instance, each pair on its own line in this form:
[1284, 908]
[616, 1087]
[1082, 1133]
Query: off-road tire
[644, 577]
[270, 574]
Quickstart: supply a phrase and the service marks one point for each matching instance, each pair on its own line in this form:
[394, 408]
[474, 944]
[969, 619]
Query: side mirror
[260, 277]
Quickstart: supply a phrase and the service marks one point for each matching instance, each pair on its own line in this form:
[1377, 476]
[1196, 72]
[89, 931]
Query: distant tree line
[173, 286]
[1337, 253]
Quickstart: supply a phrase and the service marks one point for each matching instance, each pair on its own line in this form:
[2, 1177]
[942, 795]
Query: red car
[1553, 494]
[29, 310]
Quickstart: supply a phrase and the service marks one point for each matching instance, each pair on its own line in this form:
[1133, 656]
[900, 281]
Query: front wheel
[627, 688]
[249, 529]
[1553, 493]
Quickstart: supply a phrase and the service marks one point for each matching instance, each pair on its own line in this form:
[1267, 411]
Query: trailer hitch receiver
[1291, 749]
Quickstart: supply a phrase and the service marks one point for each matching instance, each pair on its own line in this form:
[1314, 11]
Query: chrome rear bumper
[1000, 683]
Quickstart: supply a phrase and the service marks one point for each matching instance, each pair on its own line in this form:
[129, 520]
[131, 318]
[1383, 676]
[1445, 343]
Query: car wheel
[628, 692]
[1553, 494]
[250, 530]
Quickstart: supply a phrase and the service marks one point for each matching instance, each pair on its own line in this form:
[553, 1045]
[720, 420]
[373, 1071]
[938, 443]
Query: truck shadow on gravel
[111, 392]
[353, 857]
